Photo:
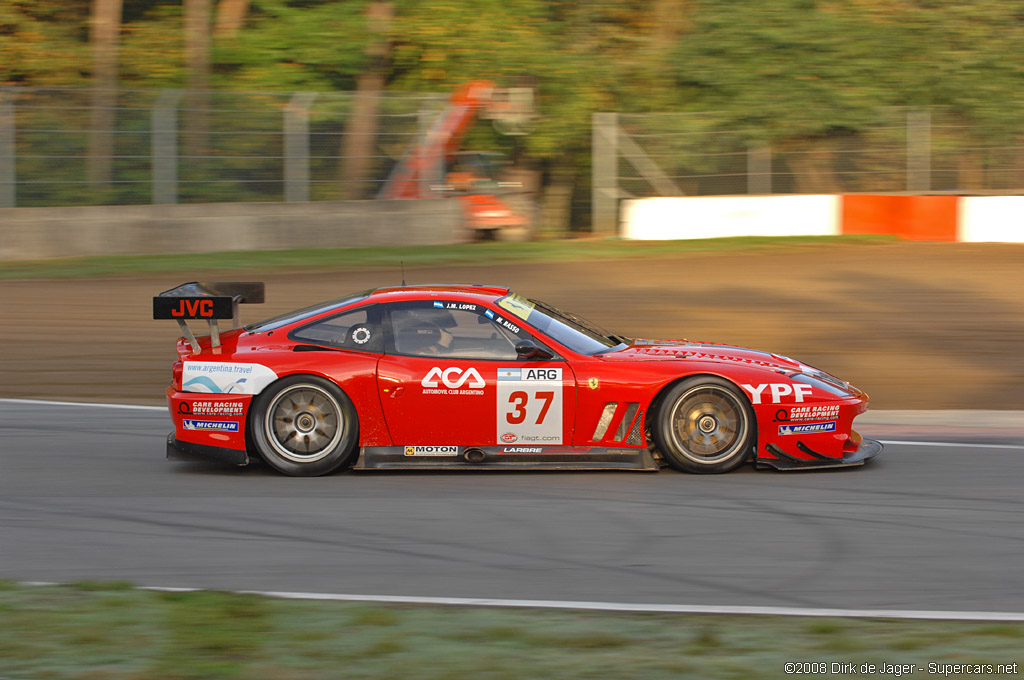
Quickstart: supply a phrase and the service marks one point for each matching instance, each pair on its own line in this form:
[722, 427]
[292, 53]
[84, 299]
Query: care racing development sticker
[807, 428]
[211, 408]
[222, 377]
[817, 412]
[210, 425]
[529, 406]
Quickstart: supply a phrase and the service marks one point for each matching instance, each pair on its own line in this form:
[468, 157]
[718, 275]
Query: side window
[358, 329]
[426, 330]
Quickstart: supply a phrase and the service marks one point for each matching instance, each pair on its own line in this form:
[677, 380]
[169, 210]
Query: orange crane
[435, 162]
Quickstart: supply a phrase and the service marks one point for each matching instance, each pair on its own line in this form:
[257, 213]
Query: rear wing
[210, 300]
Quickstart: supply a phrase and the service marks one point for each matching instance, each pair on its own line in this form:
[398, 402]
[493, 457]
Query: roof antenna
[402, 263]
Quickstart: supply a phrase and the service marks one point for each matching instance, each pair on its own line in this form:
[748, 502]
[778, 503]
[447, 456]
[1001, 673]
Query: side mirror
[527, 349]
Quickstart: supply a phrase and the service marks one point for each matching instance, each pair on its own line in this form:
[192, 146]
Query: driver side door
[450, 376]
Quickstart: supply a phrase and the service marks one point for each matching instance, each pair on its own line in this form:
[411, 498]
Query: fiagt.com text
[898, 669]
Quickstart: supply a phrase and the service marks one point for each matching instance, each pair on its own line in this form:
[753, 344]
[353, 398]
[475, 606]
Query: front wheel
[304, 426]
[704, 425]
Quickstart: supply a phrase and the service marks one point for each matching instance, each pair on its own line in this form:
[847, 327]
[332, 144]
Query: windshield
[287, 318]
[571, 330]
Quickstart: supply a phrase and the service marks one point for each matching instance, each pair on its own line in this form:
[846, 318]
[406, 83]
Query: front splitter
[867, 450]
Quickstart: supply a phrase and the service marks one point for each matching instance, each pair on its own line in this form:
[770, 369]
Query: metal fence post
[164, 147]
[919, 150]
[8, 193]
[296, 146]
[759, 170]
[605, 190]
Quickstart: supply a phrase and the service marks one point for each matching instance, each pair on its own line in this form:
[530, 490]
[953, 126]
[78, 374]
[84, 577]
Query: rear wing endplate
[210, 300]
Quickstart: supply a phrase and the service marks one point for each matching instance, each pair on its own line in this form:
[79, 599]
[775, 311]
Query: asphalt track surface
[85, 493]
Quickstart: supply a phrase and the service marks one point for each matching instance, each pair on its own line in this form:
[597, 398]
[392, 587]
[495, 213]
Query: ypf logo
[453, 378]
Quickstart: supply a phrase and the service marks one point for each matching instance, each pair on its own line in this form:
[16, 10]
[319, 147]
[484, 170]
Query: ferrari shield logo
[592, 383]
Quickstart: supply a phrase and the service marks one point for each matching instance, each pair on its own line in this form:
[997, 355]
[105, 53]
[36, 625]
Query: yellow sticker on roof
[518, 305]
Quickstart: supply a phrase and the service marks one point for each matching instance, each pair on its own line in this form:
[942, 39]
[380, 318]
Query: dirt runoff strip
[916, 325]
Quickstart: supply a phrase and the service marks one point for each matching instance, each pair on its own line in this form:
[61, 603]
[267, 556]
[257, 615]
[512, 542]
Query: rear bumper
[179, 450]
[867, 450]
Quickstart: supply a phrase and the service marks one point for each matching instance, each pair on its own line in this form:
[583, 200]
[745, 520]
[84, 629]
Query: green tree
[806, 75]
[43, 44]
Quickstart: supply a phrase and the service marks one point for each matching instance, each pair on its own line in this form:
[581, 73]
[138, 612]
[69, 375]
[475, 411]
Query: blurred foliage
[774, 73]
[43, 43]
[812, 68]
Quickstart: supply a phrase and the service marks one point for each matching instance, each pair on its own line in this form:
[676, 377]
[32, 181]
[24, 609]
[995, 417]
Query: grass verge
[87, 631]
[264, 261]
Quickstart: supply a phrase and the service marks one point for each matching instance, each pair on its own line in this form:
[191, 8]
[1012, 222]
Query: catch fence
[64, 147]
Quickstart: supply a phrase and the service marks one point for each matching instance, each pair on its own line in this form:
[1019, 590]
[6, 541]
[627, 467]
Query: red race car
[478, 377]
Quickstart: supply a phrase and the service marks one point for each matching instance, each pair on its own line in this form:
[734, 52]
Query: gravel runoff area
[919, 326]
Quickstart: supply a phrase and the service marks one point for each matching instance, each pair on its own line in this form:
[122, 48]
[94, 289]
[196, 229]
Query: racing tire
[304, 426]
[704, 425]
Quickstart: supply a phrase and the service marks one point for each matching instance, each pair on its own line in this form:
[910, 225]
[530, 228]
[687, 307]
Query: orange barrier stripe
[915, 218]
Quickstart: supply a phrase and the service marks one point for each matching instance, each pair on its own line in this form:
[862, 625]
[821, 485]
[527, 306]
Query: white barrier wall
[720, 216]
[991, 218]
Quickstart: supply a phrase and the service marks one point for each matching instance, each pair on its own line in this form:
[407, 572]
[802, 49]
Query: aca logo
[453, 378]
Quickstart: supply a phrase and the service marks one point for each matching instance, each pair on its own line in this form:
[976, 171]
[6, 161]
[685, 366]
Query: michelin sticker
[209, 425]
[220, 377]
[811, 428]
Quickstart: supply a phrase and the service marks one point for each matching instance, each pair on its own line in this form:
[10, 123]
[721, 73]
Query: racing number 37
[519, 399]
[529, 406]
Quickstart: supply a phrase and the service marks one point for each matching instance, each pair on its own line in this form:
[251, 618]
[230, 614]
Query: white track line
[971, 444]
[40, 402]
[613, 606]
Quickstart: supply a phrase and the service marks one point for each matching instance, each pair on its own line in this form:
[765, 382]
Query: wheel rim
[708, 424]
[304, 423]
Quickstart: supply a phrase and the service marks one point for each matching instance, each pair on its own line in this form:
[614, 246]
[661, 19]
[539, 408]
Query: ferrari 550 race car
[478, 377]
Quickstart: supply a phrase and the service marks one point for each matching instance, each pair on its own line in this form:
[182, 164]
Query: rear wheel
[704, 425]
[304, 426]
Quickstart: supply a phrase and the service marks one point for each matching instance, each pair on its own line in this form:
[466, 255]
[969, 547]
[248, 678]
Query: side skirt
[504, 458]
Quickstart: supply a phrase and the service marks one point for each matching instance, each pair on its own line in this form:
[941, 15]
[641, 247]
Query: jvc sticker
[210, 425]
[776, 391]
[529, 405]
[810, 428]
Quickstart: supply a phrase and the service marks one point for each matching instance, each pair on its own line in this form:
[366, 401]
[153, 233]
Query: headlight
[823, 381]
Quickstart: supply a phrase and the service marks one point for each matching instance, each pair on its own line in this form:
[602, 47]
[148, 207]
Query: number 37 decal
[519, 399]
[529, 405]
